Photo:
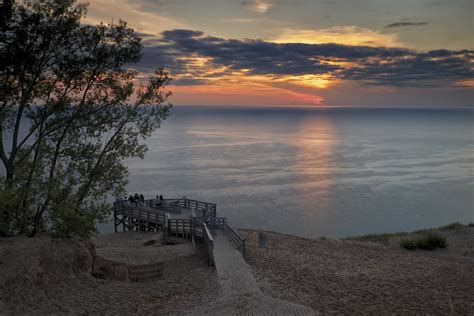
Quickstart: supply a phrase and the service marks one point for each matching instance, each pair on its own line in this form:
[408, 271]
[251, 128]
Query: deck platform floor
[185, 212]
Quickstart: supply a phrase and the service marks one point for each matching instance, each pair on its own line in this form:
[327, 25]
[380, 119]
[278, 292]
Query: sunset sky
[305, 52]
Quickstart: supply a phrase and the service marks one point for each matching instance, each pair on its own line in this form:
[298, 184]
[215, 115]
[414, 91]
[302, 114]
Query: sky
[305, 52]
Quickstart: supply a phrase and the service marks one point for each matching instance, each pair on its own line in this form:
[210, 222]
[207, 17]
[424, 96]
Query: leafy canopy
[70, 113]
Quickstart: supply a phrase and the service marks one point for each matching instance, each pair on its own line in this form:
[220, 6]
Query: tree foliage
[70, 113]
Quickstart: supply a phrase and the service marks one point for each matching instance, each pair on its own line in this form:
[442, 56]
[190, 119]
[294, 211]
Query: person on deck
[160, 201]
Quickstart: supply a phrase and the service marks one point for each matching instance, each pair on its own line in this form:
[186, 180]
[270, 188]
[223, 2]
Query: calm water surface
[316, 172]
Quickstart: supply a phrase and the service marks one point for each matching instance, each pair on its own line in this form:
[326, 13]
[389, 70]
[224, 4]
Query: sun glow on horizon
[245, 93]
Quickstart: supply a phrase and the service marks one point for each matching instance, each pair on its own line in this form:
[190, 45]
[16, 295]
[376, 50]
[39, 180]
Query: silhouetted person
[136, 198]
[161, 197]
[130, 199]
[142, 198]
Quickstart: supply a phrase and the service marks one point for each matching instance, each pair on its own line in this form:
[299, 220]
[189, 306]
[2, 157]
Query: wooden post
[115, 221]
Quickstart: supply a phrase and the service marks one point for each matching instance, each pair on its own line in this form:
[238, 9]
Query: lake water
[316, 172]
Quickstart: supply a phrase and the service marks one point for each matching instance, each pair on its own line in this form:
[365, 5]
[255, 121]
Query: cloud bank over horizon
[305, 52]
[195, 58]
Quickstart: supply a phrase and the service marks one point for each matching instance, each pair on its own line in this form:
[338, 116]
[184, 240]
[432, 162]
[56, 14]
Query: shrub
[408, 243]
[429, 241]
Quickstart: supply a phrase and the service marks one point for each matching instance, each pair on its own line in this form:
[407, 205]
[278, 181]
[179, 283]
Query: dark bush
[429, 241]
[408, 244]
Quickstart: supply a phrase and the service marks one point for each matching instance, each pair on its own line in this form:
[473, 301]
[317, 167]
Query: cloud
[237, 20]
[192, 54]
[188, 82]
[431, 69]
[403, 24]
[260, 6]
[144, 16]
[344, 34]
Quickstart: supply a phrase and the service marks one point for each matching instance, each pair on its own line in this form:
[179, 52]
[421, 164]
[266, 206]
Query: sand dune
[44, 276]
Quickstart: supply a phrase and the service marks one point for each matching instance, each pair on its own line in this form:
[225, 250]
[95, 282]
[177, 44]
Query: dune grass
[428, 241]
[383, 238]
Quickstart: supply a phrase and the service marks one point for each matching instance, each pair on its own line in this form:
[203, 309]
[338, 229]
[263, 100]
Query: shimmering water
[316, 172]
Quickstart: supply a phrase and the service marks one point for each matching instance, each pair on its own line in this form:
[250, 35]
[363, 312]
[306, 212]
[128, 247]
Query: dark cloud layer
[402, 24]
[371, 65]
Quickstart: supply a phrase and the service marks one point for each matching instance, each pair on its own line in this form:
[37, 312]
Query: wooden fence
[108, 269]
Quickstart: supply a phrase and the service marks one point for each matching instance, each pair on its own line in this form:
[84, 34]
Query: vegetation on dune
[428, 241]
[70, 112]
[445, 227]
[407, 243]
[375, 237]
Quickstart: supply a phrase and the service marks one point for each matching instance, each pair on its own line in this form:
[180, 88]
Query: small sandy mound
[139, 248]
[32, 267]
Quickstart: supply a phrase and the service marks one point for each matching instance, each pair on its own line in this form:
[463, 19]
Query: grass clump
[374, 237]
[429, 241]
[408, 243]
[384, 238]
[451, 226]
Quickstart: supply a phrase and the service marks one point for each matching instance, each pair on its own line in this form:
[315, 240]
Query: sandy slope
[335, 276]
[44, 276]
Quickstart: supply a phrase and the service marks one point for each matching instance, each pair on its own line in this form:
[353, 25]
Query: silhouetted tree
[70, 112]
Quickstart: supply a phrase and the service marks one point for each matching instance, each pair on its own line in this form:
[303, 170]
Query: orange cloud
[347, 35]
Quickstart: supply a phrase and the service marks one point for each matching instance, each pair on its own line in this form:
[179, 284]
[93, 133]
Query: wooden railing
[235, 238]
[223, 224]
[180, 227]
[141, 214]
[164, 205]
[209, 242]
[201, 208]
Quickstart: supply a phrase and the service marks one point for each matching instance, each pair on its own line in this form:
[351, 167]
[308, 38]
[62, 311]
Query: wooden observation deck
[180, 218]
[197, 221]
